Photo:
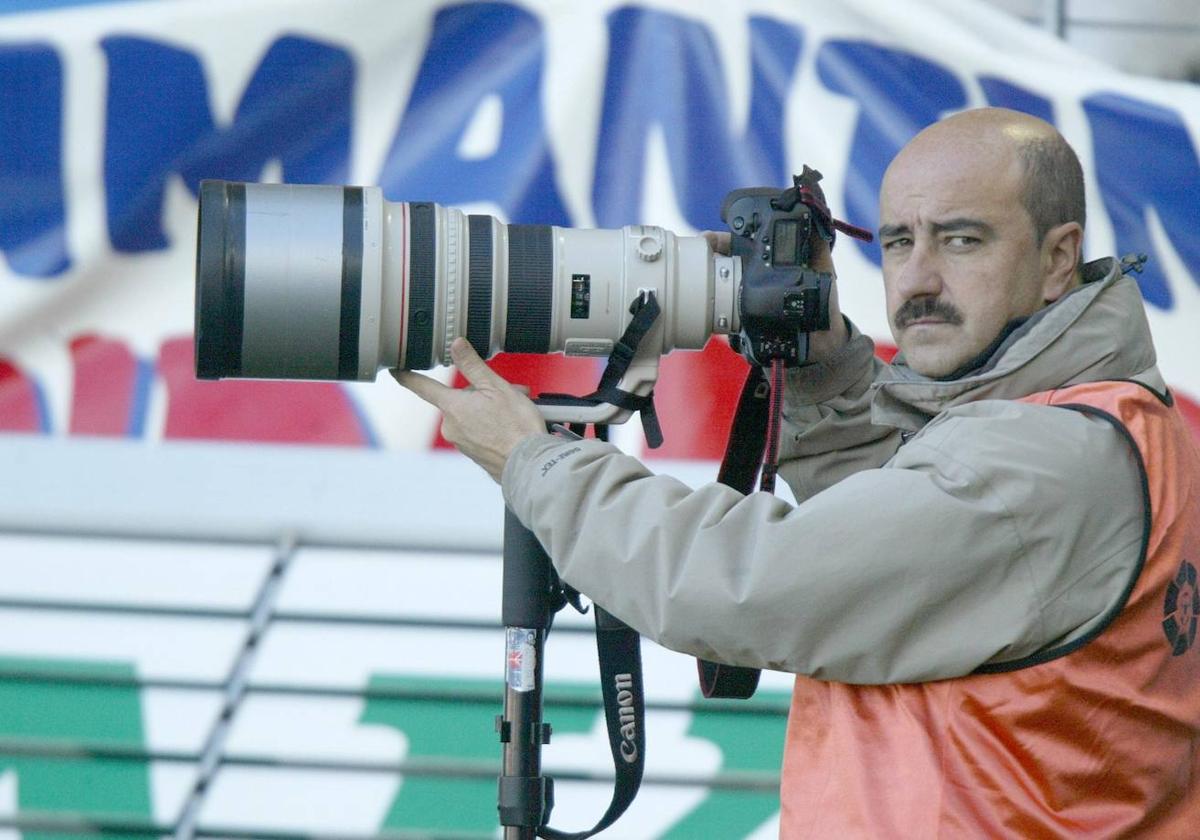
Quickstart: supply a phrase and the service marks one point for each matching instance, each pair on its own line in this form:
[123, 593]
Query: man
[988, 589]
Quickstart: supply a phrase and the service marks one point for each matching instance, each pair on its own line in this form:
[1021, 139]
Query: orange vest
[1099, 739]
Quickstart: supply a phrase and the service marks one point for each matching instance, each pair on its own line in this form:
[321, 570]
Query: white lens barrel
[307, 279]
[331, 282]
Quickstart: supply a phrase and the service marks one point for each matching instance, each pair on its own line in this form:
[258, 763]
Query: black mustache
[914, 309]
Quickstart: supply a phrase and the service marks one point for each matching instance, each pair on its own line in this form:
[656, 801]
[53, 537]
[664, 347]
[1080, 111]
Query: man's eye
[962, 241]
[894, 244]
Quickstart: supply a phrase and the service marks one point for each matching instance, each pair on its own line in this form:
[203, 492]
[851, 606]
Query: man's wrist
[826, 343]
[522, 451]
[833, 375]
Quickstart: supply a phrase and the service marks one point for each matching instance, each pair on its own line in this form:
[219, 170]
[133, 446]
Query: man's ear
[1061, 253]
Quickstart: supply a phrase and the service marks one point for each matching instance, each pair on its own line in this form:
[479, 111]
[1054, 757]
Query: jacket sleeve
[1000, 530]
[827, 432]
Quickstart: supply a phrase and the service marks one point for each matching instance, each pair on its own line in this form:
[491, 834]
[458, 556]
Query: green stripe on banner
[33, 710]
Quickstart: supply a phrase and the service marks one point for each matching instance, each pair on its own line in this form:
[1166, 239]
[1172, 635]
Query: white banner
[583, 114]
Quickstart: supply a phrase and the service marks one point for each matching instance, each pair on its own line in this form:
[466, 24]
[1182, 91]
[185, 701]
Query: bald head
[1051, 178]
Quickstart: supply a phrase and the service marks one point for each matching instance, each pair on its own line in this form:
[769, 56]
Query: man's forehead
[962, 183]
[933, 203]
[951, 159]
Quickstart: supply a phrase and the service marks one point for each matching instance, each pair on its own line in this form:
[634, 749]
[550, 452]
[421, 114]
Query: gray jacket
[942, 525]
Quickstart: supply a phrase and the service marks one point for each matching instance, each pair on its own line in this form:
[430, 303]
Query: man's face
[959, 256]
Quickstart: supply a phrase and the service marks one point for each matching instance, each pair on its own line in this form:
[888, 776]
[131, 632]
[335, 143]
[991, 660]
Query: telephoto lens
[334, 282]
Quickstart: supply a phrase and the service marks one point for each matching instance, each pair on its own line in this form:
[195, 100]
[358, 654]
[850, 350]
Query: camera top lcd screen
[784, 233]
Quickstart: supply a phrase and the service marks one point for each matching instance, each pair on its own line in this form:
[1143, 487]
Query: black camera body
[782, 298]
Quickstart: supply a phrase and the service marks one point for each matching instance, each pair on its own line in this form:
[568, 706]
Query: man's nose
[921, 273]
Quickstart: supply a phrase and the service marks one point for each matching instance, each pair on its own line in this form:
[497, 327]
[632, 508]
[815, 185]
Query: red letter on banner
[20, 406]
[253, 410]
[105, 379]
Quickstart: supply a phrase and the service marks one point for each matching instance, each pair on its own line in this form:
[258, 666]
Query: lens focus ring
[479, 290]
[450, 280]
[530, 288]
[422, 270]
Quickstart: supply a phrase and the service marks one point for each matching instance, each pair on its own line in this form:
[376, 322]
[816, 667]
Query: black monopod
[527, 608]
[532, 593]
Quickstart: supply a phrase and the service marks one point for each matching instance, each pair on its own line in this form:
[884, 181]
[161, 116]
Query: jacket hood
[1096, 332]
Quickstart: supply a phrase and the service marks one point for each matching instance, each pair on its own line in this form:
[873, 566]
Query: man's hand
[824, 343]
[485, 421]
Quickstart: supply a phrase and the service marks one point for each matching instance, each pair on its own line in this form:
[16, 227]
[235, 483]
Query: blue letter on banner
[1145, 159]
[1004, 94]
[32, 209]
[478, 50]
[296, 108]
[898, 94]
[664, 70]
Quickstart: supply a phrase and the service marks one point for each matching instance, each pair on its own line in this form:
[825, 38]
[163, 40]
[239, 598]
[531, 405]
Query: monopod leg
[526, 610]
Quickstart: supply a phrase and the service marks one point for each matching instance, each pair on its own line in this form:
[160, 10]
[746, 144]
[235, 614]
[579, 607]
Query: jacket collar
[1098, 331]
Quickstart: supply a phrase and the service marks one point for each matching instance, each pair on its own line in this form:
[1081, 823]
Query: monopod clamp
[626, 386]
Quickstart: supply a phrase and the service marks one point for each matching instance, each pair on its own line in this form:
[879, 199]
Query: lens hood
[220, 278]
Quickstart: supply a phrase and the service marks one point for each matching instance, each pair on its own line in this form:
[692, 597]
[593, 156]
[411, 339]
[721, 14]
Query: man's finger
[471, 366]
[718, 241]
[424, 387]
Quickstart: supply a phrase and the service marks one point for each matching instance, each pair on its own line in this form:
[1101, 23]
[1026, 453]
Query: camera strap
[645, 311]
[753, 443]
[619, 649]
[806, 190]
